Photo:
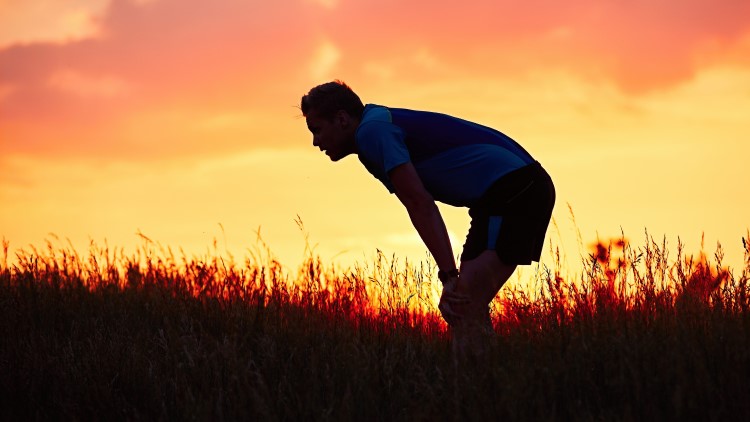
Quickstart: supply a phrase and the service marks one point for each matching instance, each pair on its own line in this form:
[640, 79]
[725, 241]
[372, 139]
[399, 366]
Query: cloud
[328, 4]
[170, 47]
[23, 22]
[5, 91]
[641, 45]
[382, 71]
[324, 61]
[144, 72]
[72, 82]
[183, 58]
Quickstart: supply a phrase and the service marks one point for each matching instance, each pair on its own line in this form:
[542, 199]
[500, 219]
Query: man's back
[457, 160]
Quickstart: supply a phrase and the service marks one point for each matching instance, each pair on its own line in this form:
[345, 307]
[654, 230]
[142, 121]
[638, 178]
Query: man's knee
[482, 277]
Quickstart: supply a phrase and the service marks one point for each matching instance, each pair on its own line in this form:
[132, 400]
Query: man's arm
[424, 214]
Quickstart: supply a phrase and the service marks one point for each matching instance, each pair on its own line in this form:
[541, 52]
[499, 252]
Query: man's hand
[449, 299]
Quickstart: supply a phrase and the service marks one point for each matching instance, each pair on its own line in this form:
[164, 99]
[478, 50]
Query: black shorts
[512, 217]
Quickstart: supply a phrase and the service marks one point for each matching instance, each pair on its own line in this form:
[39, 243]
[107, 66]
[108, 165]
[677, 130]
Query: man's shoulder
[397, 116]
[376, 120]
[376, 113]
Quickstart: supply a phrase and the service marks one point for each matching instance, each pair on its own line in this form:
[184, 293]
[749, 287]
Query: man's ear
[343, 118]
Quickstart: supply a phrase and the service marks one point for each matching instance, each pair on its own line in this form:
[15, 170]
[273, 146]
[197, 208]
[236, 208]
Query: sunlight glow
[328, 4]
[324, 61]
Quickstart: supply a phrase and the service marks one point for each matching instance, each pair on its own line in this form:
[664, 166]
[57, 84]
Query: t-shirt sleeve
[382, 145]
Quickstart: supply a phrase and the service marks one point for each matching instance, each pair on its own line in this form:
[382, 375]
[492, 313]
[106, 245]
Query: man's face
[334, 136]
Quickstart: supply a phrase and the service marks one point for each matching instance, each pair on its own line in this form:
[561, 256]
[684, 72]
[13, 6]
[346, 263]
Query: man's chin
[334, 157]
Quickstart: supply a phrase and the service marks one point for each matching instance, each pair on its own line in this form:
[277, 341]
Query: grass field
[639, 334]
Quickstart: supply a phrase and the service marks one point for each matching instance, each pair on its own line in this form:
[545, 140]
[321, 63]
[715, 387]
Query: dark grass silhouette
[636, 335]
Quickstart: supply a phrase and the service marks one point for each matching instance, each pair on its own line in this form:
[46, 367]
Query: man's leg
[482, 277]
[480, 280]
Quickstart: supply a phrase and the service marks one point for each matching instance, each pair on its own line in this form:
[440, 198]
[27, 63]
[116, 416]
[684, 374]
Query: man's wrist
[446, 275]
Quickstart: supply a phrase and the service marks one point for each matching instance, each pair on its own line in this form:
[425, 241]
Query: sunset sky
[177, 118]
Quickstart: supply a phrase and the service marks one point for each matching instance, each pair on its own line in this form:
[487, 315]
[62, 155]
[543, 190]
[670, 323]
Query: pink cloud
[187, 54]
[199, 55]
[168, 45]
[48, 20]
[640, 45]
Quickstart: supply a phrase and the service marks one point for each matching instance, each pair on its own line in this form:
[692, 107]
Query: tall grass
[635, 335]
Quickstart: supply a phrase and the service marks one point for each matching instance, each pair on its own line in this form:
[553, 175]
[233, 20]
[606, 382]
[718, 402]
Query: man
[423, 157]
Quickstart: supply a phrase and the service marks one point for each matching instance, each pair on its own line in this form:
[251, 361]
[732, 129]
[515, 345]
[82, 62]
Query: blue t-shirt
[457, 160]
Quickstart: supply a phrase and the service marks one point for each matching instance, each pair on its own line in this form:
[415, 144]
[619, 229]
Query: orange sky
[174, 117]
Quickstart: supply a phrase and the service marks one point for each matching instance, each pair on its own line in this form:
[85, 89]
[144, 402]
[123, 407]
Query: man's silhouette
[425, 157]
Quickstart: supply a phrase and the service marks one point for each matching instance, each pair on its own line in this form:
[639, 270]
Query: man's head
[333, 112]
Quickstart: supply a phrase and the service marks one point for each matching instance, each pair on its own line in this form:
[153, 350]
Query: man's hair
[327, 99]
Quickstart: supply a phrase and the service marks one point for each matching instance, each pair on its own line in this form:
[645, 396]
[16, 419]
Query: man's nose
[316, 141]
